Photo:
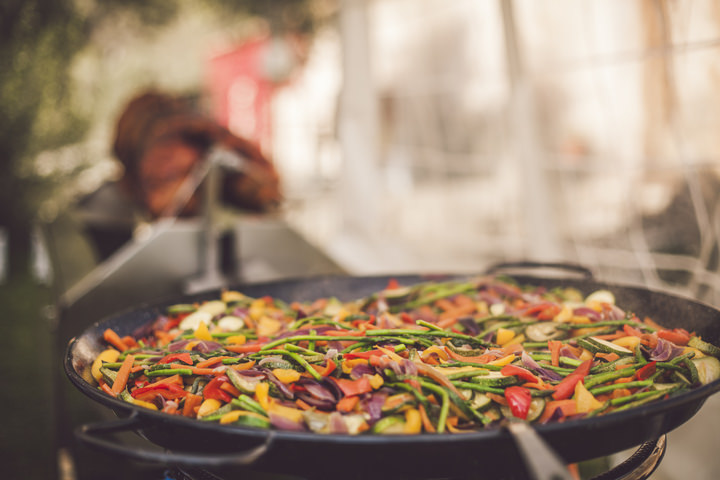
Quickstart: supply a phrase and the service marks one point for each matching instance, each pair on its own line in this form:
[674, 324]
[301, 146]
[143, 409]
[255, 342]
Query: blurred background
[407, 136]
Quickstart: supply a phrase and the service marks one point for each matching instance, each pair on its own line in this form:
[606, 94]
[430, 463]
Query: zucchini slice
[704, 347]
[608, 347]
[708, 369]
[537, 406]
[494, 379]
[396, 296]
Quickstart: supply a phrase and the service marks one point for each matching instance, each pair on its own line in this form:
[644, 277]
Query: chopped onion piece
[601, 296]
[231, 323]
[192, 321]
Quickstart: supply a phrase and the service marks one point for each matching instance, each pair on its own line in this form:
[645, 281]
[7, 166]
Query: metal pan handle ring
[92, 435]
[528, 266]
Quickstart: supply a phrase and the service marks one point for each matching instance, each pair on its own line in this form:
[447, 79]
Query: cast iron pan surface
[490, 453]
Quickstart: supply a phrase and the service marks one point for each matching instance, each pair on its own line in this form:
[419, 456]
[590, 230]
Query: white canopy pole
[540, 222]
[358, 124]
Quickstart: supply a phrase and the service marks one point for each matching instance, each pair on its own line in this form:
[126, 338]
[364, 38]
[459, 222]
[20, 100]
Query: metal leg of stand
[641, 464]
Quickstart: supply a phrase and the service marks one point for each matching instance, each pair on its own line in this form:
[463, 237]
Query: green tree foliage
[39, 40]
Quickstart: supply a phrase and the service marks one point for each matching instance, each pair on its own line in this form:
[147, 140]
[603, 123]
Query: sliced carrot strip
[123, 374]
[427, 424]
[192, 401]
[243, 366]
[211, 361]
[171, 380]
[114, 339]
[230, 388]
[195, 370]
[105, 387]
[610, 357]
[347, 404]
[246, 348]
[568, 407]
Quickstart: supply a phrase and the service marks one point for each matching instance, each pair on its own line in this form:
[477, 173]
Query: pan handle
[574, 268]
[541, 461]
[91, 434]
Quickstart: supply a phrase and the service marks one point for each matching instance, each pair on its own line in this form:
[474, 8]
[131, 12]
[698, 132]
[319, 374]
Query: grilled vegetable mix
[445, 357]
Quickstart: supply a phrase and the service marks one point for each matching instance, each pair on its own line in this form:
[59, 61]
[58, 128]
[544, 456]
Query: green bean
[246, 403]
[479, 388]
[408, 388]
[424, 333]
[640, 398]
[592, 380]
[470, 364]
[448, 292]
[168, 372]
[429, 325]
[444, 405]
[573, 362]
[615, 386]
[468, 373]
[608, 323]
[302, 338]
[295, 357]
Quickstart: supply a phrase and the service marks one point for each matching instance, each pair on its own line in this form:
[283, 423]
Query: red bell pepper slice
[366, 354]
[515, 371]
[518, 399]
[168, 391]
[646, 371]
[354, 387]
[678, 336]
[566, 387]
[183, 357]
[213, 390]
[584, 368]
[327, 369]
[543, 311]
[632, 331]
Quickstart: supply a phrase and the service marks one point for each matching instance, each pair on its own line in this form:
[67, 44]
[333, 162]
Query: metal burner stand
[639, 466]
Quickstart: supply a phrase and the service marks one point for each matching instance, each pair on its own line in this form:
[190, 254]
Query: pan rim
[699, 394]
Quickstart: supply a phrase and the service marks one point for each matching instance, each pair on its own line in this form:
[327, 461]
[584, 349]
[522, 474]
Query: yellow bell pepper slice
[504, 335]
[501, 362]
[208, 406]
[376, 381]
[698, 353]
[110, 355]
[202, 332]
[261, 394]
[585, 355]
[629, 342]
[257, 309]
[228, 296]
[584, 400]
[350, 363]
[143, 403]
[293, 414]
[267, 326]
[440, 351]
[236, 339]
[413, 421]
[286, 375]
[233, 416]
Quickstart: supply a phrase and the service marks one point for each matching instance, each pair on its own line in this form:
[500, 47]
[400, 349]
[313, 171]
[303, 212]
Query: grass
[26, 343]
